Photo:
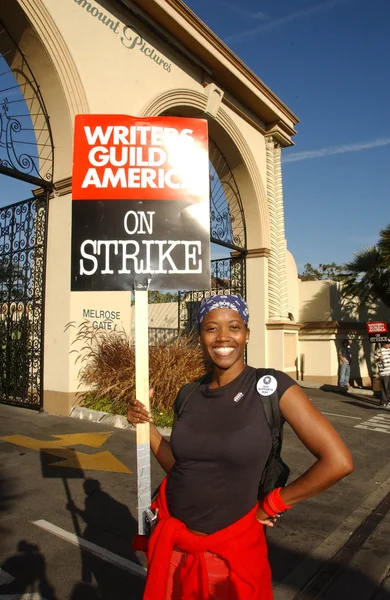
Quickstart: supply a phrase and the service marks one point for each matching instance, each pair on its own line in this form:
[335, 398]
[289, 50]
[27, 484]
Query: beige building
[326, 319]
[148, 58]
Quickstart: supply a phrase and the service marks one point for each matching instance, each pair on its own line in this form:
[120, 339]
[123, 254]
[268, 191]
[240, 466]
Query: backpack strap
[184, 393]
[271, 409]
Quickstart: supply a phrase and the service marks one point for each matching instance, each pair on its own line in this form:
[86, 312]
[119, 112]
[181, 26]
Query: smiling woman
[209, 538]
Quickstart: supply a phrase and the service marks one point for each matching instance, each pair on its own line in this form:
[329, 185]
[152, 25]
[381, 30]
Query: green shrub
[108, 370]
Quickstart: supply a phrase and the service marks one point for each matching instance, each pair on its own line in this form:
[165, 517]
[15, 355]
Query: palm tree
[367, 276]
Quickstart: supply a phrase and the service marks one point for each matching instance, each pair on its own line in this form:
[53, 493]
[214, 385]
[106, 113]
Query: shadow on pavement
[333, 582]
[27, 568]
[360, 399]
[108, 524]
[24, 571]
[370, 406]
[83, 591]
[6, 498]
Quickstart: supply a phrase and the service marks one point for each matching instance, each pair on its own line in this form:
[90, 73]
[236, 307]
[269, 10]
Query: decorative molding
[214, 99]
[352, 327]
[258, 253]
[281, 133]
[246, 114]
[62, 187]
[283, 326]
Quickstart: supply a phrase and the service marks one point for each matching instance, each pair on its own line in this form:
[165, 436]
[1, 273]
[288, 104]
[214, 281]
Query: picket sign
[142, 394]
[140, 220]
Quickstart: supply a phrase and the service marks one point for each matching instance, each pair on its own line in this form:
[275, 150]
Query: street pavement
[68, 511]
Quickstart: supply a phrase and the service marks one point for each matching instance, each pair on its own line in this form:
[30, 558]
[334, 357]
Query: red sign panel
[140, 211]
[376, 327]
[117, 157]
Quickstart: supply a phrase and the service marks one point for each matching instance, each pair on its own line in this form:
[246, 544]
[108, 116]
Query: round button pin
[267, 385]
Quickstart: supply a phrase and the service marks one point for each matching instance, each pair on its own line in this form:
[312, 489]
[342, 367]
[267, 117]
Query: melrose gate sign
[130, 38]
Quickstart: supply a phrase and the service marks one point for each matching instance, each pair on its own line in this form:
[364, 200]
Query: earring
[246, 341]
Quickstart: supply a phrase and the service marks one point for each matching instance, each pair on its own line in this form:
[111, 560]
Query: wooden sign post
[140, 221]
[142, 394]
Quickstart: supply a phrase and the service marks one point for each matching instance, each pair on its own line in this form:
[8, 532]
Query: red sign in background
[376, 327]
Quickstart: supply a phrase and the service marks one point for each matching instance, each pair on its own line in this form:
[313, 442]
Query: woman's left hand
[265, 519]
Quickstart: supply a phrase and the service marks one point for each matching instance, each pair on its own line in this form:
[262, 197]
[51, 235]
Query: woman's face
[223, 335]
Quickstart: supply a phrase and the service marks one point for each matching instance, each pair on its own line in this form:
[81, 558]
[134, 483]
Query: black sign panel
[378, 338]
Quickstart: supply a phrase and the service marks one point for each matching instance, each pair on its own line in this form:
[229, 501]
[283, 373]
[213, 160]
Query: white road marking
[379, 422]
[7, 578]
[344, 416]
[111, 557]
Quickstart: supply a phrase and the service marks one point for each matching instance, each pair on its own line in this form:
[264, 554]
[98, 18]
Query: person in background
[345, 356]
[209, 541]
[382, 358]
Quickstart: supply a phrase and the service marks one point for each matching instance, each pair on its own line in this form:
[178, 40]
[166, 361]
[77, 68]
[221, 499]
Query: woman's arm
[161, 448]
[334, 461]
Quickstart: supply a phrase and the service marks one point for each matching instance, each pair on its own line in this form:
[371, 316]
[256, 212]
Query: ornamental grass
[107, 368]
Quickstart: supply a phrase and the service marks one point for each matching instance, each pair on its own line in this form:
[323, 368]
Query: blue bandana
[227, 301]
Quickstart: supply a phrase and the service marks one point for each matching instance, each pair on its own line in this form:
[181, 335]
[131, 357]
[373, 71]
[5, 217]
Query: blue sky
[329, 62]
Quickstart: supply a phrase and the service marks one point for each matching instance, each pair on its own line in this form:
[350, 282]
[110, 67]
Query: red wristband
[273, 504]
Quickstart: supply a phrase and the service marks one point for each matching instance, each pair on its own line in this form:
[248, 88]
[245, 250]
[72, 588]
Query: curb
[117, 421]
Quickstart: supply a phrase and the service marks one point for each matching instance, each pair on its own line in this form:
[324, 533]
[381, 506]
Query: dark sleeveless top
[221, 443]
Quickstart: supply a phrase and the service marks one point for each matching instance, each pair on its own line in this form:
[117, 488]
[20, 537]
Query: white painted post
[142, 394]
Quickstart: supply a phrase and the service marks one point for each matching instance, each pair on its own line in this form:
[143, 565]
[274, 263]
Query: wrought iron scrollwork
[22, 273]
[26, 145]
[227, 222]
[227, 277]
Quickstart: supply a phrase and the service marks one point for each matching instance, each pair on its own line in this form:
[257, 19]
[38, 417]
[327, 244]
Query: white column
[281, 243]
[273, 261]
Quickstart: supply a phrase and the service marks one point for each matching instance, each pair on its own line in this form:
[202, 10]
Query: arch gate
[26, 154]
[228, 232]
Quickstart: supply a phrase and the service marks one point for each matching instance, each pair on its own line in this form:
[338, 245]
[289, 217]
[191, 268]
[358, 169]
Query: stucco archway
[225, 134]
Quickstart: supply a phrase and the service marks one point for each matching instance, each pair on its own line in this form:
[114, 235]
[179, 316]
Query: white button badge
[266, 385]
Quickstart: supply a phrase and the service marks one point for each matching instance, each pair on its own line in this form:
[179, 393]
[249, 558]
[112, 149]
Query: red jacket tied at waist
[242, 545]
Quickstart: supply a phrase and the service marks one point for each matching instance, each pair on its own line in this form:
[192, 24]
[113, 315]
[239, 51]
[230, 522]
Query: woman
[209, 541]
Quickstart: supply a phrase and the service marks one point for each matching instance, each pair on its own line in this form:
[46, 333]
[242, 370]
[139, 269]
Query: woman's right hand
[137, 413]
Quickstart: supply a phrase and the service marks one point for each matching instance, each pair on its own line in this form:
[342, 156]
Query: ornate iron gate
[22, 275]
[227, 276]
[227, 229]
[26, 154]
